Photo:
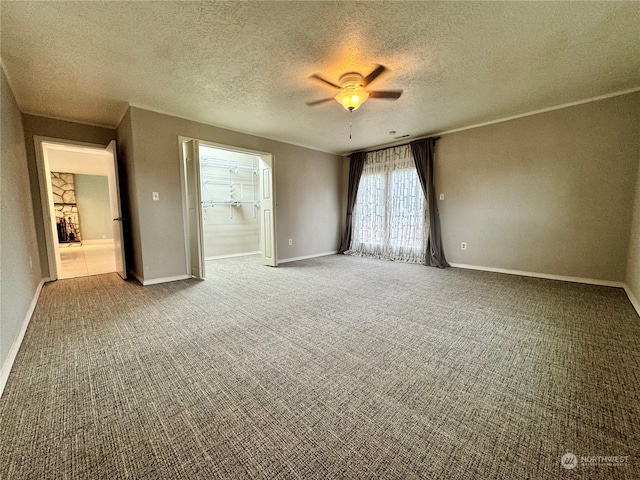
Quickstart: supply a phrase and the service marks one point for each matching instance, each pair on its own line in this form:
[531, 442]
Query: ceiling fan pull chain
[350, 112]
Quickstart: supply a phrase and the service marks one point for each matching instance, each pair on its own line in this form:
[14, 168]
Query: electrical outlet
[463, 246]
[156, 196]
[290, 241]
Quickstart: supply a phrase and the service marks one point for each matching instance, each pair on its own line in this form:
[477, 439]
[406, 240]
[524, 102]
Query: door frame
[193, 216]
[44, 182]
[270, 159]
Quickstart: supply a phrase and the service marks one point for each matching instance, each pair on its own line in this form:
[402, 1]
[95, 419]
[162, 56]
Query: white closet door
[267, 204]
[116, 211]
[192, 157]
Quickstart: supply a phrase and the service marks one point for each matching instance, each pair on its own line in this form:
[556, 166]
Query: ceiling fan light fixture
[351, 97]
[352, 91]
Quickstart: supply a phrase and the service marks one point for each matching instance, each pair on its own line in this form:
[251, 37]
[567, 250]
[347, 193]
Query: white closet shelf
[233, 203]
[227, 164]
[218, 182]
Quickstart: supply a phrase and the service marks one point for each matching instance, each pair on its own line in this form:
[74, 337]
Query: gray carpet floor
[331, 368]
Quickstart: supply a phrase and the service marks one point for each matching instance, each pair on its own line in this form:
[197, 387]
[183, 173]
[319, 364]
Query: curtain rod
[435, 139]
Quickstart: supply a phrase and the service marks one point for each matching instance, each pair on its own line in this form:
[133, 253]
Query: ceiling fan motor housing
[351, 79]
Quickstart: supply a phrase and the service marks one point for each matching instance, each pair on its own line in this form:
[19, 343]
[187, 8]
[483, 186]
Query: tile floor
[82, 260]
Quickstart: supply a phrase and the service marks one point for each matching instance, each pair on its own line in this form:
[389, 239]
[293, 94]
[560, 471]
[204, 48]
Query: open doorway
[82, 214]
[228, 199]
[81, 206]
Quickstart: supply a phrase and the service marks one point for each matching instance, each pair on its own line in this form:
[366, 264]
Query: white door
[267, 204]
[194, 207]
[116, 212]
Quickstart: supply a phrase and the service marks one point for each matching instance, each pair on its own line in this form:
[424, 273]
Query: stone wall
[64, 204]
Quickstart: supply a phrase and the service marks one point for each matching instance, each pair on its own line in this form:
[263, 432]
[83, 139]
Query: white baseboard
[305, 257]
[155, 281]
[13, 351]
[232, 255]
[549, 276]
[136, 276]
[632, 299]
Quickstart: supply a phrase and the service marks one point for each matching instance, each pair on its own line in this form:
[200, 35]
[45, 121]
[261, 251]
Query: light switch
[156, 196]
[442, 196]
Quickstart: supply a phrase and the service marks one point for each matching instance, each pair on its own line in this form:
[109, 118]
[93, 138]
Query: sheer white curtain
[389, 215]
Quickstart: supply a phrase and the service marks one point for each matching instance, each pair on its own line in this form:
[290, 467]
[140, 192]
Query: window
[389, 215]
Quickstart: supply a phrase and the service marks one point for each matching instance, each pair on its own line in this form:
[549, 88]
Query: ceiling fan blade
[388, 94]
[318, 102]
[318, 77]
[373, 75]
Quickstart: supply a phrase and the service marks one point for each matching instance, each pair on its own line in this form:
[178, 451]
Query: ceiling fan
[352, 92]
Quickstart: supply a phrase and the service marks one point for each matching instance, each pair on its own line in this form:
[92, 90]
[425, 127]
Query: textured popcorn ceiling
[245, 66]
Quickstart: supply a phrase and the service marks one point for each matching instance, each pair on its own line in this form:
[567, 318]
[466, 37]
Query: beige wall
[633, 260]
[549, 193]
[18, 238]
[308, 191]
[60, 129]
[92, 197]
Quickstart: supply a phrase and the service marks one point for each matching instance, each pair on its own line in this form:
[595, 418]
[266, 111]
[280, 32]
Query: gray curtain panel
[355, 172]
[423, 155]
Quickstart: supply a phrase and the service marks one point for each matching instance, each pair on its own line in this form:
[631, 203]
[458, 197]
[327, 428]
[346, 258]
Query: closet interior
[230, 199]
